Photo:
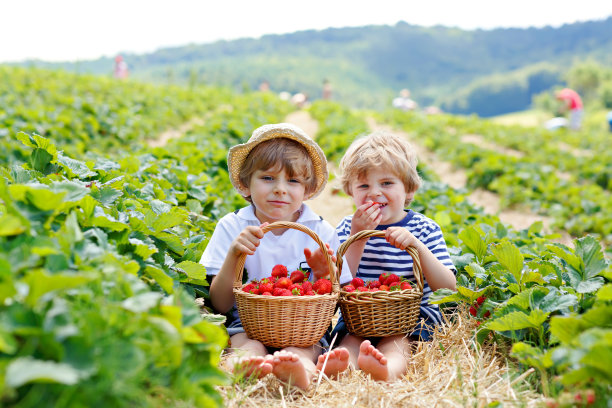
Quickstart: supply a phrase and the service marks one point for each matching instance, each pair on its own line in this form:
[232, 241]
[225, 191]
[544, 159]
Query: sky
[68, 30]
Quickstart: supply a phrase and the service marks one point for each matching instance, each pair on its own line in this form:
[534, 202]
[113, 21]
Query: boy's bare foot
[337, 362]
[372, 361]
[286, 366]
[254, 366]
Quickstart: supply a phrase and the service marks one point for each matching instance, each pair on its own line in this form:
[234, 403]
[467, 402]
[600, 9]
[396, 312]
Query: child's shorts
[423, 331]
[235, 327]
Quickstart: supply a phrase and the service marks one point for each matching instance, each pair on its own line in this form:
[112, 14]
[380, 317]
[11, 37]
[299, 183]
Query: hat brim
[238, 154]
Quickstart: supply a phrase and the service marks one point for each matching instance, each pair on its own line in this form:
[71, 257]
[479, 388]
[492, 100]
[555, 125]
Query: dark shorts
[423, 331]
[235, 327]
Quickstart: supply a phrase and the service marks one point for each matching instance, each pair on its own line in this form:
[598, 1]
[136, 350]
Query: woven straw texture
[238, 154]
[283, 321]
[381, 313]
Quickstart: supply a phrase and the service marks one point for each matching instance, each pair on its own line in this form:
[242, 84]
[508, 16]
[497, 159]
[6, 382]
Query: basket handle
[286, 224]
[365, 234]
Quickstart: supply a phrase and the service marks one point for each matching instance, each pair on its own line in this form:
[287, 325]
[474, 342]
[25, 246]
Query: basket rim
[366, 234]
[241, 259]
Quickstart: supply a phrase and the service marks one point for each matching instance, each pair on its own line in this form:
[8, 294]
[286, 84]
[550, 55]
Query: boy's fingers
[307, 253]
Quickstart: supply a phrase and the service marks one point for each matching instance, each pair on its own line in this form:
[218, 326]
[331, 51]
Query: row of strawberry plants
[577, 208]
[527, 292]
[98, 266]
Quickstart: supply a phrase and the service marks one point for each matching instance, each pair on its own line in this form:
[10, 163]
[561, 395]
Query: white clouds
[70, 29]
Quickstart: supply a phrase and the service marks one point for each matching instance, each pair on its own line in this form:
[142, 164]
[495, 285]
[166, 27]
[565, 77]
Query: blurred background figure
[609, 118]
[284, 95]
[121, 68]
[404, 102]
[300, 100]
[264, 86]
[327, 90]
[571, 102]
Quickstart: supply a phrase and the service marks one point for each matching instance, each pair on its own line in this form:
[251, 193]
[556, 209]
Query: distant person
[121, 68]
[264, 86]
[327, 90]
[609, 117]
[403, 101]
[572, 103]
[300, 100]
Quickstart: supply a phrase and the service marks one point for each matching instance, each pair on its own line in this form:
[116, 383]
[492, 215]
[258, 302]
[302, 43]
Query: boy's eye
[387, 183]
[294, 180]
[362, 186]
[267, 178]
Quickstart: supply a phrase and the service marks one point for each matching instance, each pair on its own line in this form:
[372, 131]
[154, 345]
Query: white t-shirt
[286, 249]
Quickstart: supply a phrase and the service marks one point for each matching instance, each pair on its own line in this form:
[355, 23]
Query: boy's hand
[248, 240]
[400, 237]
[316, 261]
[367, 217]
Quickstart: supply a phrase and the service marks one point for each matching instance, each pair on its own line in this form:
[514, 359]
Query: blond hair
[381, 149]
[280, 153]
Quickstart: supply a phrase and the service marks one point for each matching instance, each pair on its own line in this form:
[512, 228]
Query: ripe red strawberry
[266, 294]
[383, 287]
[286, 292]
[405, 285]
[391, 279]
[395, 286]
[266, 287]
[590, 396]
[283, 283]
[309, 293]
[307, 286]
[249, 287]
[383, 277]
[279, 271]
[473, 311]
[374, 284]
[357, 282]
[480, 300]
[297, 276]
[322, 286]
[349, 288]
[487, 314]
[296, 290]
[362, 289]
[277, 292]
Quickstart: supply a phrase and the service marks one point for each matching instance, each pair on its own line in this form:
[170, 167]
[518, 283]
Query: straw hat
[238, 154]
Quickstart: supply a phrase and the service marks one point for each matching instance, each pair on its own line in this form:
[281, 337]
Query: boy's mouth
[381, 205]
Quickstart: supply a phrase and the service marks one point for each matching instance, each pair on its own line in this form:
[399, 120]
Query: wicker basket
[381, 313]
[283, 321]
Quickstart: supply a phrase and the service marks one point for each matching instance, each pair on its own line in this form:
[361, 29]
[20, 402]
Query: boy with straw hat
[276, 170]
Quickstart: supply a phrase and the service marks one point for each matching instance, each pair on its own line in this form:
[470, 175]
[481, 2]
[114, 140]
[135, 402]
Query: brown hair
[381, 149]
[281, 153]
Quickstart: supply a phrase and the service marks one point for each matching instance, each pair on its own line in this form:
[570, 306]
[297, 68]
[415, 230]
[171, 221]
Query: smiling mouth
[381, 204]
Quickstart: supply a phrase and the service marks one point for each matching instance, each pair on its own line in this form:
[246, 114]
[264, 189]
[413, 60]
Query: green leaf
[605, 292]
[589, 250]
[40, 160]
[517, 320]
[564, 253]
[44, 199]
[142, 249]
[11, 225]
[105, 195]
[168, 220]
[555, 301]
[509, 256]
[75, 167]
[74, 191]
[143, 302]
[193, 270]
[162, 279]
[590, 285]
[472, 239]
[40, 283]
[28, 370]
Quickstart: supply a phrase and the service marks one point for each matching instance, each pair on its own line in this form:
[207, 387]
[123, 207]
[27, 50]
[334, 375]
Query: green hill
[487, 72]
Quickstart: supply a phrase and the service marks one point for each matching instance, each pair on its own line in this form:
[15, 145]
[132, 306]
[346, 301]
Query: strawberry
[590, 396]
[296, 290]
[383, 287]
[279, 271]
[322, 286]
[357, 282]
[297, 276]
[480, 300]
[473, 311]
[309, 293]
[283, 283]
[249, 287]
[307, 285]
[383, 277]
[395, 286]
[362, 289]
[265, 287]
[392, 278]
[349, 288]
[405, 285]
[266, 294]
[286, 292]
[487, 314]
[277, 292]
[374, 290]
[374, 284]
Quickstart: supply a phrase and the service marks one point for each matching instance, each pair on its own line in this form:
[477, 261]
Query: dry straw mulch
[450, 371]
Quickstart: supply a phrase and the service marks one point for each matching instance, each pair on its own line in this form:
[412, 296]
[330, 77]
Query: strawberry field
[101, 234]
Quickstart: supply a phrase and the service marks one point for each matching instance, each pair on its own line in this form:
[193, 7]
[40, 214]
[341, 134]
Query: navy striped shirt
[381, 257]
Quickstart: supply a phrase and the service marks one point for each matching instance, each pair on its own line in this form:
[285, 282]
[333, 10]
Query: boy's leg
[249, 357]
[388, 361]
[295, 365]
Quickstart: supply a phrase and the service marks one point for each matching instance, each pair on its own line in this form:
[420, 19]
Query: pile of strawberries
[474, 309]
[386, 281]
[281, 283]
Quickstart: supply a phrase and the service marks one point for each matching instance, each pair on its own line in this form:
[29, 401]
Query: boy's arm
[435, 272]
[366, 217]
[221, 288]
